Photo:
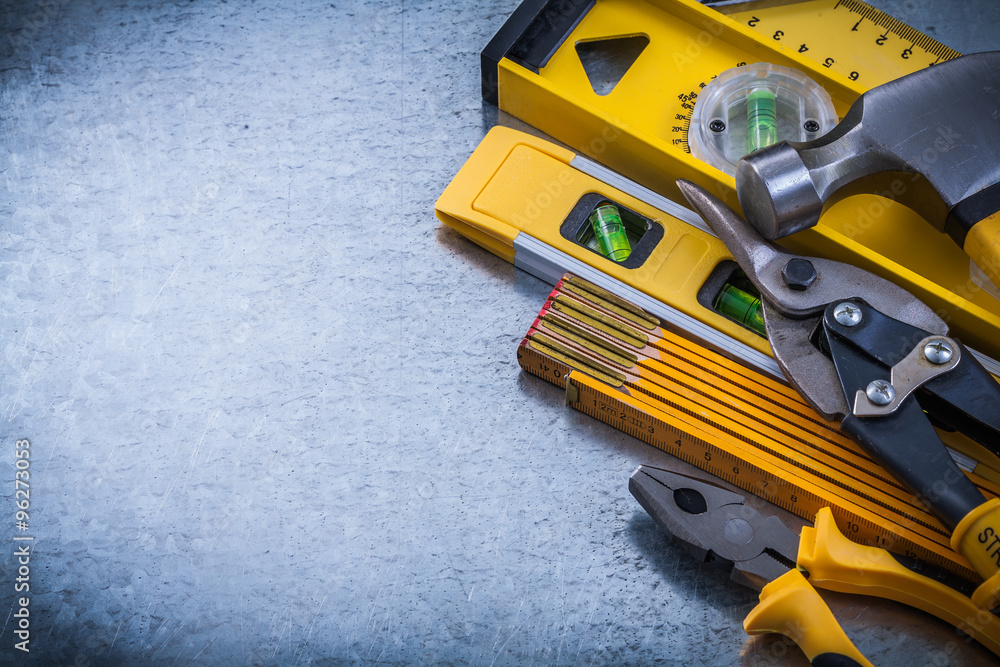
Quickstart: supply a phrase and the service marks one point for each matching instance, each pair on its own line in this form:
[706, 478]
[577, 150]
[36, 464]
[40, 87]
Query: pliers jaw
[715, 525]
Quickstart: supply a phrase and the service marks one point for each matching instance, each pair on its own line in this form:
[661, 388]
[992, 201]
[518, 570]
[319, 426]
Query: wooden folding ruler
[619, 365]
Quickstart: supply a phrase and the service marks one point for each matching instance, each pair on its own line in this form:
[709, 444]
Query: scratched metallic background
[274, 408]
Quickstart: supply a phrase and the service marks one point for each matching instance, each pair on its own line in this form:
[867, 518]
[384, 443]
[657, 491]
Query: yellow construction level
[619, 365]
[527, 200]
[534, 70]
[519, 197]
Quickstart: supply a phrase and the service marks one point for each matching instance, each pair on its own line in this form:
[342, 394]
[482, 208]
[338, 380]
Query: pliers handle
[790, 605]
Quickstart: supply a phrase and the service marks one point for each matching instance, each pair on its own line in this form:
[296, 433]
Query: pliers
[867, 353]
[716, 526]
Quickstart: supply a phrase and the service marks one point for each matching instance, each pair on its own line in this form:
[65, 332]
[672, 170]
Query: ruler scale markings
[785, 399]
[799, 484]
[739, 430]
[674, 381]
[860, 485]
[672, 343]
[781, 484]
[942, 537]
[758, 434]
[743, 406]
[828, 440]
[847, 46]
[828, 452]
[698, 361]
[767, 392]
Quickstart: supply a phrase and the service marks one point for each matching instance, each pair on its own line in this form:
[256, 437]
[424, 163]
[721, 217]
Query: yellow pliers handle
[835, 563]
[790, 606]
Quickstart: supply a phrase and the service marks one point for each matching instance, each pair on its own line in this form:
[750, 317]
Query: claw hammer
[930, 140]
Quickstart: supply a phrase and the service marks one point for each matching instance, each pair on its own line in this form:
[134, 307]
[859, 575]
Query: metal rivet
[738, 531]
[847, 314]
[717, 126]
[938, 352]
[811, 126]
[880, 392]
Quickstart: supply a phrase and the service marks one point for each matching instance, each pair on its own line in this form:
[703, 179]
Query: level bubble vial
[612, 239]
[751, 107]
[742, 307]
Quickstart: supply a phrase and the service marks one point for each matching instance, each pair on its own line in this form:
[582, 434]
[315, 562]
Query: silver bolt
[847, 313]
[880, 392]
[938, 352]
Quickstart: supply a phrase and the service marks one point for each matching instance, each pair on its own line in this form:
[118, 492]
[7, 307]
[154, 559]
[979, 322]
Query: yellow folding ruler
[534, 69]
[620, 365]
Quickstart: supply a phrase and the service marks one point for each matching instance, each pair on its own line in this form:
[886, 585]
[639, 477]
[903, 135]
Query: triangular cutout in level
[606, 60]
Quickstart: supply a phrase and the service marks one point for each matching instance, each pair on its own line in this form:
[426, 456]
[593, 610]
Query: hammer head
[930, 139]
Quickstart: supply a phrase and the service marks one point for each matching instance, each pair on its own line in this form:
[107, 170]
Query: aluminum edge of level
[549, 264]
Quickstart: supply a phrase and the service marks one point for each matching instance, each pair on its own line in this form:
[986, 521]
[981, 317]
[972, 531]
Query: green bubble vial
[762, 118]
[610, 232]
[741, 306]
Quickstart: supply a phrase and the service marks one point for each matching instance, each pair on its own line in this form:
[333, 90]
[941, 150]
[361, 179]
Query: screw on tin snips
[867, 353]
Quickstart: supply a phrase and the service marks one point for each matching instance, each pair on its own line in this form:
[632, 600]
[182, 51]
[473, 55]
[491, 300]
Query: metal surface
[878, 392]
[940, 123]
[848, 314]
[939, 351]
[274, 409]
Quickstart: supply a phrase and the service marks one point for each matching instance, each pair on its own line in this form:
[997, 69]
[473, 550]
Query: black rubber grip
[529, 37]
[964, 215]
[834, 660]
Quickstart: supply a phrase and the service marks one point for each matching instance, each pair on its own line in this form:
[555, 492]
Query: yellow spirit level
[534, 69]
[528, 201]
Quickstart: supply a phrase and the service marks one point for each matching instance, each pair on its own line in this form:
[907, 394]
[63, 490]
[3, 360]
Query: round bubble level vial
[756, 106]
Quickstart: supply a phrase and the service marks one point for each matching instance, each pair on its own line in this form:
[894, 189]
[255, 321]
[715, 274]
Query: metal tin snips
[867, 353]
